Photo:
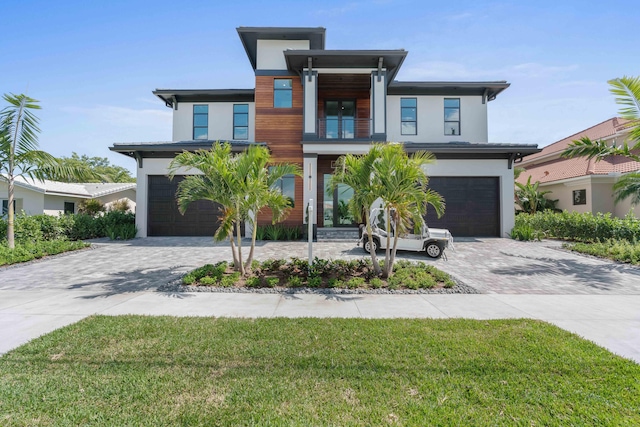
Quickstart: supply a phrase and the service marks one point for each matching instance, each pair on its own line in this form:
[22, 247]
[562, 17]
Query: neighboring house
[580, 184]
[311, 105]
[53, 198]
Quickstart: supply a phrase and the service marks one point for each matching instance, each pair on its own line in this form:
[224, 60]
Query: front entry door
[336, 212]
[340, 117]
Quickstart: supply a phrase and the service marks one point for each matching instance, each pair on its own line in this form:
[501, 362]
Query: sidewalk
[612, 321]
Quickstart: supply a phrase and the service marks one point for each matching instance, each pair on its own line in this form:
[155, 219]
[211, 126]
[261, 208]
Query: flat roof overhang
[250, 36]
[168, 150]
[468, 150]
[391, 60]
[488, 89]
[172, 96]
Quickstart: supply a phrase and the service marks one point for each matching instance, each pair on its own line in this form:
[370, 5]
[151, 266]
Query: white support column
[310, 181]
[379, 105]
[310, 102]
[142, 185]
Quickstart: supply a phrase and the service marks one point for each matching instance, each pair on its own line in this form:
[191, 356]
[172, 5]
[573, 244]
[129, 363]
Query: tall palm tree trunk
[387, 257]
[254, 232]
[374, 257]
[11, 215]
[239, 240]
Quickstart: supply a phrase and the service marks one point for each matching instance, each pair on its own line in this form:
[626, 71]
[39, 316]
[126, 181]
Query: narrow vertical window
[200, 122]
[452, 116]
[241, 121]
[409, 116]
[282, 93]
[287, 187]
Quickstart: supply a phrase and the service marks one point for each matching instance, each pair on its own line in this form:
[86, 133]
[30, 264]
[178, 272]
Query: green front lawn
[204, 371]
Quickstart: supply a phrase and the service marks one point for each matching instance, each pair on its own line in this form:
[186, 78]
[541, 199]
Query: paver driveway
[499, 266]
[597, 299]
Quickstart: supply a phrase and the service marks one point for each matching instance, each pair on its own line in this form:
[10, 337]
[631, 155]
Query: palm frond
[628, 186]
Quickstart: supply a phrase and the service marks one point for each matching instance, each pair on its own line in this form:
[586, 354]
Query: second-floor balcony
[343, 128]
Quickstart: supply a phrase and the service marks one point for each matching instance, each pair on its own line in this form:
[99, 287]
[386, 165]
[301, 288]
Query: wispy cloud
[124, 117]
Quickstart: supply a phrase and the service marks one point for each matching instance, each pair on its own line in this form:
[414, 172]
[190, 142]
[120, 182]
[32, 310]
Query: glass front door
[336, 211]
[340, 119]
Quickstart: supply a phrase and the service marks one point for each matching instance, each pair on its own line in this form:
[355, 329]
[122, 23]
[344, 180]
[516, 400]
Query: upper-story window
[282, 93]
[409, 116]
[241, 121]
[200, 122]
[452, 116]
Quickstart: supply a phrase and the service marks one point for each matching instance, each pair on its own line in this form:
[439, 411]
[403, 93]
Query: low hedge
[580, 227]
[36, 228]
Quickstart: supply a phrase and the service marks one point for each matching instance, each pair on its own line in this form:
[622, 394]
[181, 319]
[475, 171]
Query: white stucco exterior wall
[473, 119]
[29, 201]
[220, 120]
[269, 55]
[486, 168]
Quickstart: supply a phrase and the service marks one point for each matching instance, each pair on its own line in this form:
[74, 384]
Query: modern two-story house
[310, 105]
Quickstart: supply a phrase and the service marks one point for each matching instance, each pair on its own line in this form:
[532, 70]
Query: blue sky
[93, 65]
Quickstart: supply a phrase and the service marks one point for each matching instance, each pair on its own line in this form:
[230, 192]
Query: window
[241, 121]
[579, 197]
[287, 187]
[200, 122]
[282, 93]
[69, 207]
[452, 116]
[409, 116]
[5, 207]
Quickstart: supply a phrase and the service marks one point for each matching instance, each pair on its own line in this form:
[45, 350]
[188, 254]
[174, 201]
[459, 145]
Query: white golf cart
[433, 241]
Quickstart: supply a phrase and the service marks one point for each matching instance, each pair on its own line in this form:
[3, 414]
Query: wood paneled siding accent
[281, 129]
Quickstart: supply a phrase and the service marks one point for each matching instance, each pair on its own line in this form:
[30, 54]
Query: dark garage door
[473, 206]
[163, 219]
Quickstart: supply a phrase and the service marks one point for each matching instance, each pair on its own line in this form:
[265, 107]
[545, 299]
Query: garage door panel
[164, 219]
[472, 206]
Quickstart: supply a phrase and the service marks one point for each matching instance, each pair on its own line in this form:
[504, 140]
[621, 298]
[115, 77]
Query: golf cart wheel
[433, 250]
[370, 244]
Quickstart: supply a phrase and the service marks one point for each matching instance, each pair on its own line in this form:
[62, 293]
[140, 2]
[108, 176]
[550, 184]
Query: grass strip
[149, 371]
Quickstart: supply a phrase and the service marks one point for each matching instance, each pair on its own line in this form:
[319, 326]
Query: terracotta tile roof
[601, 130]
[556, 168]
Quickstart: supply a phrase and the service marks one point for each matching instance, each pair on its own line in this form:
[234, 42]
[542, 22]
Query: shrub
[525, 232]
[272, 282]
[581, 227]
[27, 251]
[253, 282]
[91, 207]
[315, 282]
[121, 205]
[295, 281]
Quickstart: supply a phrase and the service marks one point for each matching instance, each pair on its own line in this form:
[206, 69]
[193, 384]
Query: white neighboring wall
[220, 120]
[473, 119]
[32, 202]
[486, 168]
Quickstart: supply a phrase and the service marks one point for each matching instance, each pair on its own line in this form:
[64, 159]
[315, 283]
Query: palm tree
[388, 174]
[19, 153]
[401, 183]
[627, 92]
[530, 199]
[241, 183]
[357, 172]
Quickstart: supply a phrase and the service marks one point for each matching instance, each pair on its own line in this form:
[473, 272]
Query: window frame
[67, 211]
[579, 197]
[279, 184]
[283, 90]
[235, 126]
[4, 208]
[200, 126]
[414, 121]
[445, 108]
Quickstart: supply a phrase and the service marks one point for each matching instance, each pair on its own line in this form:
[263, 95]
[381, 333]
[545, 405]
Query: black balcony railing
[344, 128]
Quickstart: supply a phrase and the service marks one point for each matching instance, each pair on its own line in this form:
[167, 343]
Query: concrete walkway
[597, 299]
